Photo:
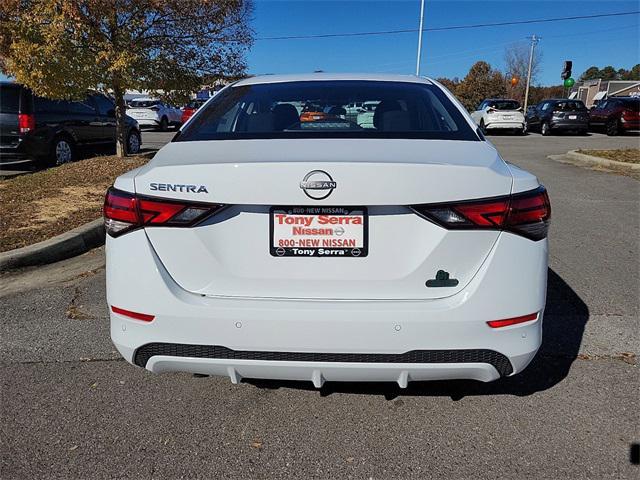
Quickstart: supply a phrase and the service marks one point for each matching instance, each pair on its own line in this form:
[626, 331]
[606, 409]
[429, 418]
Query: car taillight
[26, 122]
[124, 211]
[491, 110]
[526, 214]
[186, 114]
[630, 115]
[512, 321]
[145, 317]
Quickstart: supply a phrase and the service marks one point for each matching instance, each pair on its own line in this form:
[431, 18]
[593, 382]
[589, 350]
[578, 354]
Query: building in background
[592, 91]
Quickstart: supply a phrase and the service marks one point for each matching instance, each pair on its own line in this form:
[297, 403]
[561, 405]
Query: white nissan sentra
[277, 238]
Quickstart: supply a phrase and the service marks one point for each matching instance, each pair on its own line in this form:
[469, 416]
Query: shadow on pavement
[564, 321]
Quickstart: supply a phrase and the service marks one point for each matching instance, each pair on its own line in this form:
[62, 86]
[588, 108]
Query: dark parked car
[555, 115]
[616, 115]
[51, 132]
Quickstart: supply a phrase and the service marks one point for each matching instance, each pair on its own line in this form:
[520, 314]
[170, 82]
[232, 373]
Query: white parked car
[151, 112]
[365, 117]
[258, 246]
[503, 114]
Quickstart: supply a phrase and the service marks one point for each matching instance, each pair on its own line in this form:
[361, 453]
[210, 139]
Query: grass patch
[627, 155]
[41, 205]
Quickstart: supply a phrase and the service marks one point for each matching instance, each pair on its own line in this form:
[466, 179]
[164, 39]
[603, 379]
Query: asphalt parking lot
[72, 408]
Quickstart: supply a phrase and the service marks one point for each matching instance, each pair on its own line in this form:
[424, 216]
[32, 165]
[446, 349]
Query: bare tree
[516, 57]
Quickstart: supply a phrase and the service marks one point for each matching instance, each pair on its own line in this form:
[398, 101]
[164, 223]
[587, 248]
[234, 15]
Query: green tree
[591, 73]
[608, 73]
[62, 48]
[633, 74]
[481, 82]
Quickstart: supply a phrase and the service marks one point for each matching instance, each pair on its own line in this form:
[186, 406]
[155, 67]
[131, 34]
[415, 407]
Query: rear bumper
[630, 125]
[505, 125]
[569, 125]
[11, 154]
[318, 340]
[148, 122]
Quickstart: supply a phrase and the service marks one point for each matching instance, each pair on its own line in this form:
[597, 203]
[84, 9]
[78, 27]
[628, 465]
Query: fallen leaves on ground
[627, 155]
[41, 205]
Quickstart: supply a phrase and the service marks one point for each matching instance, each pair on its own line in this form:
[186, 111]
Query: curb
[581, 157]
[69, 244]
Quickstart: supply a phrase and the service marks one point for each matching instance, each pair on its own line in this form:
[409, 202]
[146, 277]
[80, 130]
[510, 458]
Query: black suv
[51, 132]
[558, 115]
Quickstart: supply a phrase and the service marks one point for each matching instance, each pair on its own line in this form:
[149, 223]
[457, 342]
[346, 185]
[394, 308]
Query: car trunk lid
[232, 253]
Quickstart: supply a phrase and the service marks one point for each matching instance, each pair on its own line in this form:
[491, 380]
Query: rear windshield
[631, 104]
[504, 104]
[321, 109]
[569, 106]
[143, 103]
[9, 99]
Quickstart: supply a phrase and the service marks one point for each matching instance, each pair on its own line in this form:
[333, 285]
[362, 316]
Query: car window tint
[545, 106]
[45, 105]
[504, 104]
[105, 106]
[310, 109]
[9, 99]
[569, 106]
[81, 107]
[631, 104]
[143, 103]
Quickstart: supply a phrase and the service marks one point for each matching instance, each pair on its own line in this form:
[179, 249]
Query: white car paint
[152, 117]
[498, 119]
[216, 284]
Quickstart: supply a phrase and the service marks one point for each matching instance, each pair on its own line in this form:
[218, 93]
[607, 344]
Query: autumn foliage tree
[62, 48]
[481, 82]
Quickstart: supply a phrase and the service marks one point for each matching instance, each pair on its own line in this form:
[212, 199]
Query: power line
[446, 28]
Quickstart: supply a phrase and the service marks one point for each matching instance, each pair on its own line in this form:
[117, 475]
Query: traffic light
[566, 71]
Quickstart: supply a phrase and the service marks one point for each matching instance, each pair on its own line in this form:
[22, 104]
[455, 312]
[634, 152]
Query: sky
[602, 41]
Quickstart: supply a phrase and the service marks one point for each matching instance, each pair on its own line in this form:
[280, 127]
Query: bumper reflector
[512, 321]
[127, 313]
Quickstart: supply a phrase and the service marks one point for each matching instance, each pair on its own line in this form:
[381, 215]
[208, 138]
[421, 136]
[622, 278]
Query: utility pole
[420, 37]
[534, 42]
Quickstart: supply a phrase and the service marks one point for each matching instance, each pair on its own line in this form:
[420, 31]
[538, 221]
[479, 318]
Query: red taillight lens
[125, 211]
[527, 214]
[530, 214]
[512, 321]
[186, 114]
[26, 122]
[128, 313]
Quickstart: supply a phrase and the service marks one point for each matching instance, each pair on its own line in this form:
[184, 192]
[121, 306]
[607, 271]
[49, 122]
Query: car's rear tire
[483, 129]
[164, 124]
[545, 129]
[63, 151]
[133, 142]
[612, 128]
